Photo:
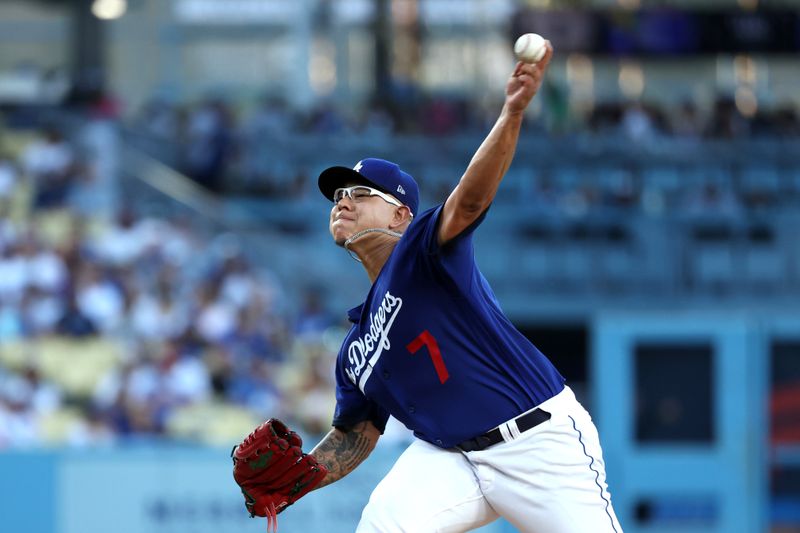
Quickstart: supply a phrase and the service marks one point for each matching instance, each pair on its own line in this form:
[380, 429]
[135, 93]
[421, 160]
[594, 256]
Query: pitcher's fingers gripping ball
[272, 470]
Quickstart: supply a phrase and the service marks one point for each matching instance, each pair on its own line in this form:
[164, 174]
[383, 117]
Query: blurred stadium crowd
[214, 140]
[139, 327]
[166, 330]
[143, 327]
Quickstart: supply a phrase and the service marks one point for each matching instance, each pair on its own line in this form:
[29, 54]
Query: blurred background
[167, 280]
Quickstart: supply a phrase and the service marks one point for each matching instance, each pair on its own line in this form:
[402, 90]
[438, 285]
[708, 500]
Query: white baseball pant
[550, 479]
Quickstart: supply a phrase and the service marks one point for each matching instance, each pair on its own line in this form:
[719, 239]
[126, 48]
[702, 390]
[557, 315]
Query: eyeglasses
[362, 192]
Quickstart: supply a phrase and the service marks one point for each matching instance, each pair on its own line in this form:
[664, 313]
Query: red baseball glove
[272, 470]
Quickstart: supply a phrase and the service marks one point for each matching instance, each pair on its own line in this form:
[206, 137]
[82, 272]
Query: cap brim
[335, 177]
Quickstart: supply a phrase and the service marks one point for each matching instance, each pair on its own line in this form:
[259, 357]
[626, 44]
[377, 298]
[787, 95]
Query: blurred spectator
[185, 377]
[45, 268]
[99, 298]
[215, 317]
[637, 124]
[73, 321]
[18, 424]
[49, 163]
[24, 399]
[10, 322]
[123, 241]
[686, 121]
[313, 319]
[253, 338]
[158, 317]
[8, 229]
[210, 143]
[255, 387]
[9, 177]
[94, 430]
[237, 282]
[13, 275]
[41, 311]
[726, 121]
[42, 396]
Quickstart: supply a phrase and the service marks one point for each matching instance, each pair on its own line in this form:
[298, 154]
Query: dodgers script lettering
[367, 349]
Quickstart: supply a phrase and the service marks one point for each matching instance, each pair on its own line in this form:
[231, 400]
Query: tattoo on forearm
[342, 452]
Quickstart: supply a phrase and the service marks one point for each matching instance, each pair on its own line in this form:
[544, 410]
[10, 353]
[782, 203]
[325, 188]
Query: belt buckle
[483, 442]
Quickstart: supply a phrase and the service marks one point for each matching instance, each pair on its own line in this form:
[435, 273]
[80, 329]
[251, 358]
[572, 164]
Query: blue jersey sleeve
[456, 258]
[353, 407]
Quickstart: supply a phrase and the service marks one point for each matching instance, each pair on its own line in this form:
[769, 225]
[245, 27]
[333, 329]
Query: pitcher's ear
[402, 215]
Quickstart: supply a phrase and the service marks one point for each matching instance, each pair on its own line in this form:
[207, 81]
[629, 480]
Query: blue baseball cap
[378, 173]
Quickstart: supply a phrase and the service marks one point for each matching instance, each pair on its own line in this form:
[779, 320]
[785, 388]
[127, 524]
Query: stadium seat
[76, 364]
[54, 226]
[211, 423]
[15, 354]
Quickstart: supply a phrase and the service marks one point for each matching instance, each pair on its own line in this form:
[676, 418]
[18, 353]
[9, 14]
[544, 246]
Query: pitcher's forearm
[341, 452]
[491, 161]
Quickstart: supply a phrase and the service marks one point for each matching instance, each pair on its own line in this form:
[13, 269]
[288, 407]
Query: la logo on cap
[358, 166]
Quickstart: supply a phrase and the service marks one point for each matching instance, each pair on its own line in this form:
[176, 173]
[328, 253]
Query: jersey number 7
[426, 339]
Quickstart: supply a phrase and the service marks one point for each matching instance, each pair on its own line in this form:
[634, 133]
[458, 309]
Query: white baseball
[530, 48]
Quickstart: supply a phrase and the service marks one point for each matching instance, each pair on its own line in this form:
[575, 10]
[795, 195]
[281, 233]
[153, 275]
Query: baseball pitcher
[498, 432]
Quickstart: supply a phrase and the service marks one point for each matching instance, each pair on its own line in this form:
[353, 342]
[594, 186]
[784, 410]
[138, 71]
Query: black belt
[490, 438]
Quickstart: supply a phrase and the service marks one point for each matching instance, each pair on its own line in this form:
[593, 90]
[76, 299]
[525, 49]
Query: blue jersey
[431, 346]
